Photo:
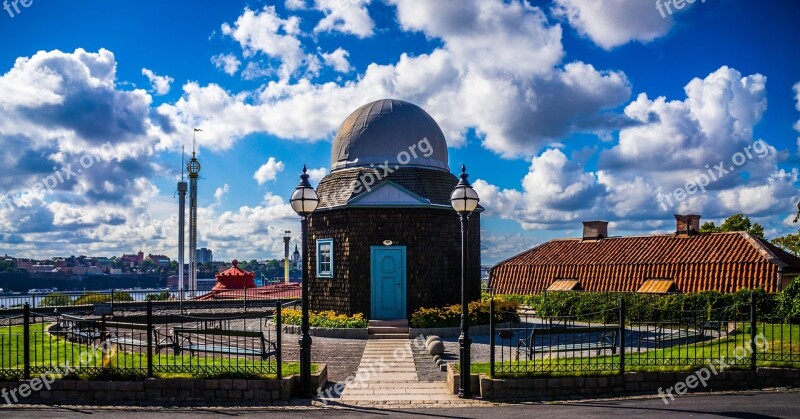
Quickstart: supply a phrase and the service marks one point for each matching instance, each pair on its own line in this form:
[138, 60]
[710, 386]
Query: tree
[789, 243]
[736, 222]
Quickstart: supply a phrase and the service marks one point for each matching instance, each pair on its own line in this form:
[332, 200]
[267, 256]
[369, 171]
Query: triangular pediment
[388, 193]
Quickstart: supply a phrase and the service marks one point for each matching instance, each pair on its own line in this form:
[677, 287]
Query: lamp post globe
[464, 201]
[304, 201]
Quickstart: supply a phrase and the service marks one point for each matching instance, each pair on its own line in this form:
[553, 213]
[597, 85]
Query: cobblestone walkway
[387, 377]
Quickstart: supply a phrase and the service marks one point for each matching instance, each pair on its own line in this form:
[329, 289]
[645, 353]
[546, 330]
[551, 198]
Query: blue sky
[563, 111]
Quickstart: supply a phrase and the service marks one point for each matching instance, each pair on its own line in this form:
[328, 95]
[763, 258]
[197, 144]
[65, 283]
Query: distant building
[684, 261]
[296, 259]
[204, 255]
[133, 260]
[160, 260]
[25, 264]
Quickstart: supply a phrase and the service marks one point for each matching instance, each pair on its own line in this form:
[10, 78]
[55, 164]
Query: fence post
[26, 340]
[278, 332]
[150, 338]
[491, 337]
[753, 332]
[112, 301]
[245, 300]
[621, 334]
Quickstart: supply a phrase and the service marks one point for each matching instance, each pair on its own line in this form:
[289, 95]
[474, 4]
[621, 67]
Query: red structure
[236, 284]
[234, 278]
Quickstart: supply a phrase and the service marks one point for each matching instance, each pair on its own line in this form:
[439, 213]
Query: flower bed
[326, 319]
[450, 316]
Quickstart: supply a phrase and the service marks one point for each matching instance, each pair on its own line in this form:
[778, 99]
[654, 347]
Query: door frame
[403, 282]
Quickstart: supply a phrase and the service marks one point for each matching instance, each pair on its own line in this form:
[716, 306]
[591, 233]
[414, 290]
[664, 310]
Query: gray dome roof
[392, 130]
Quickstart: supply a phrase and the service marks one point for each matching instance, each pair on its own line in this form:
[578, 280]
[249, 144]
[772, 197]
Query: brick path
[387, 377]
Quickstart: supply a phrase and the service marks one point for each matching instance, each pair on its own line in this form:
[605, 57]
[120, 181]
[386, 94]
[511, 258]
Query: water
[34, 300]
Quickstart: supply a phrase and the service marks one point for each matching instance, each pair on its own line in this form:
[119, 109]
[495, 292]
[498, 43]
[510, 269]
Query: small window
[325, 258]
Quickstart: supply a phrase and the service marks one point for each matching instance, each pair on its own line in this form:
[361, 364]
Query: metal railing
[618, 340]
[159, 341]
[136, 300]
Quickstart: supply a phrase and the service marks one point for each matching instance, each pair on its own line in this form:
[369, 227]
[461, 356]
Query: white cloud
[346, 16]
[227, 63]
[338, 60]
[673, 145]
[295, 4]
[159, 84]
[221, 191]
[498, 72]
[315, 175]
[264, 32]
[796, 89]
[268, 171]
[611, 23]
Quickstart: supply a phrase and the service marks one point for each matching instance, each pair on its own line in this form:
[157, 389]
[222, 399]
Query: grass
[780, 340]
[51, 351]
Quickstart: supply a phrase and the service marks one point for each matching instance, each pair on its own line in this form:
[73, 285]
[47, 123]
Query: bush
[327, 319]
[55, 300]
[95, 298]
[161, 296]
[603, 307]
[450, 316]
[789, 301]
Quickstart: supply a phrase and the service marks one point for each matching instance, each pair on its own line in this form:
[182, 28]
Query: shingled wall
[433, 256]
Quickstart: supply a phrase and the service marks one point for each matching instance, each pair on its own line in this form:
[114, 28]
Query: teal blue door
[388, 282]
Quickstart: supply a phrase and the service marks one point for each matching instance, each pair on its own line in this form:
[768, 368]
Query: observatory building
[385, 240]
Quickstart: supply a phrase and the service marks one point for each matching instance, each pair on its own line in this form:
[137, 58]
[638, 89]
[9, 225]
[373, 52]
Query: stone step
[403, 336]
[374, 330]
[388, 323]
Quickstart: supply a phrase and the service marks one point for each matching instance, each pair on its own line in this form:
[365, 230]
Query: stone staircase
[388, 329]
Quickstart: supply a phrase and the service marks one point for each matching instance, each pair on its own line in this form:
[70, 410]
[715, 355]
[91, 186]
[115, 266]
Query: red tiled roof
[719, 261]
[234, 278]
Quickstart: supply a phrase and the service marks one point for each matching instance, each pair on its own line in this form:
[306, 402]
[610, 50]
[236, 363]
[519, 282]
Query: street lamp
[304, 201]
[464, 200]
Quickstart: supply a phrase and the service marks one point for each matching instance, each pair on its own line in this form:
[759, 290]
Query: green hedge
[327, 319]
[102, 298]
[598, 306]
[450, 316]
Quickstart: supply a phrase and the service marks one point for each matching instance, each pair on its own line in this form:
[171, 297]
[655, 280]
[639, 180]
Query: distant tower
[296, 256]
[181, 224]
[193, 167]
[286, 239]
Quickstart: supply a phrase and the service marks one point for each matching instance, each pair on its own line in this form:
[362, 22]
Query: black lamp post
[464, 200]
[304, 201]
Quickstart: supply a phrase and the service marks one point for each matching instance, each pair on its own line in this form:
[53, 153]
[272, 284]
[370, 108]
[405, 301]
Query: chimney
[595, 230]
[688, 224]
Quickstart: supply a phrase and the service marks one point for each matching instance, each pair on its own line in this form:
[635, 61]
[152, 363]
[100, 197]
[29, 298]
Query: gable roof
[719, 261]
[341, 186]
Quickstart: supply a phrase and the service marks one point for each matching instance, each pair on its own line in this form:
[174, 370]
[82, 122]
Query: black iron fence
[616, 340]
[161, 341]
[136, 300]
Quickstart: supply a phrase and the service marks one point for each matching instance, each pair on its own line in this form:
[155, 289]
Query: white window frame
[320, 272]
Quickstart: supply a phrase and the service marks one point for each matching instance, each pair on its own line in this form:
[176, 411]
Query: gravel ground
[479, 350]
[341, 355]
[426, 370]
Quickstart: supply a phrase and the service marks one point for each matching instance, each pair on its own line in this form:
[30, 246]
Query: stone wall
[433, 256]
[161, 391]
[631, 383]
